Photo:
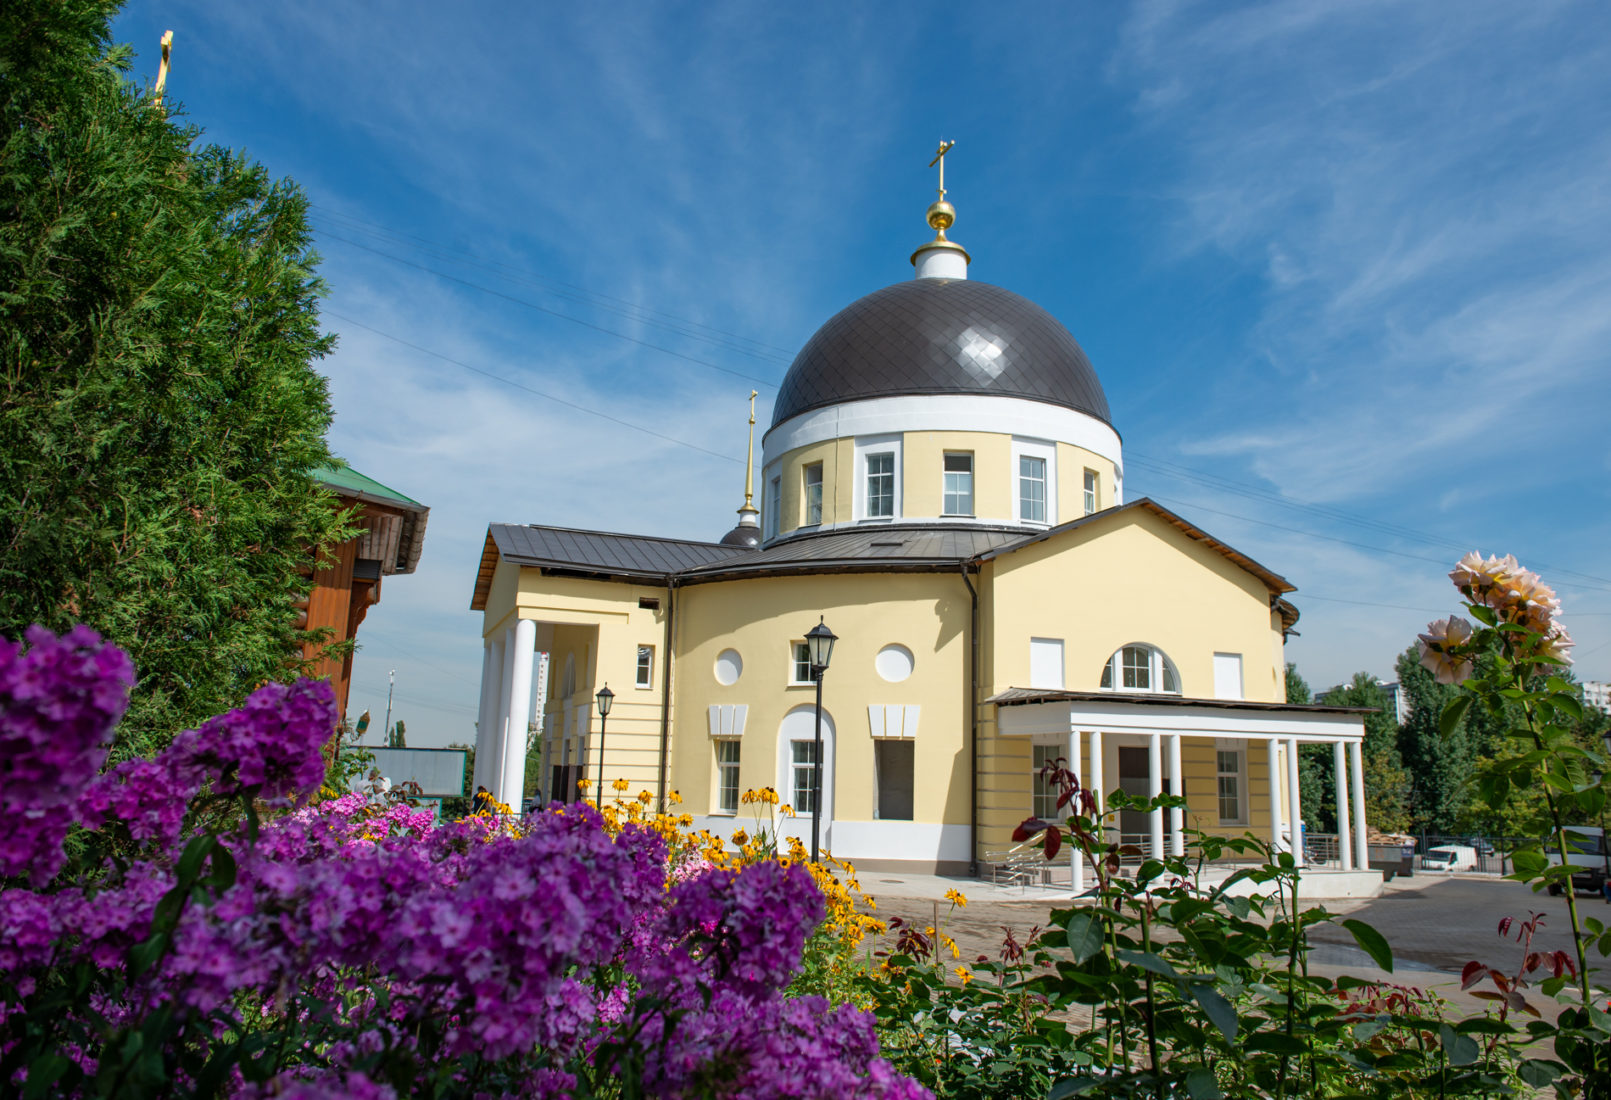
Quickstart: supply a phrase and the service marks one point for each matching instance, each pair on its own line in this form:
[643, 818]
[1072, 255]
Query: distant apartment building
[1597, 694]
[1398, 703]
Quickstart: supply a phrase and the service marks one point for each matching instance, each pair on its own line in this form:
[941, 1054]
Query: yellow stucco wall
[760, 618]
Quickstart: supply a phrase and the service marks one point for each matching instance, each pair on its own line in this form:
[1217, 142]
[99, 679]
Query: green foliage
[158, 406]
[1387, 780]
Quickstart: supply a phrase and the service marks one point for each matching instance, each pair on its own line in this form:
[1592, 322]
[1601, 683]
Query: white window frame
[795, 647]
[805, 492]
[773, 504]
[1047, 453]
[945, 477]
[1157, 662]
[723, 768]
[877, 445]
[1237, 748]
[808, 768]
[644, 676]
[1091, 489]
[1050, 746]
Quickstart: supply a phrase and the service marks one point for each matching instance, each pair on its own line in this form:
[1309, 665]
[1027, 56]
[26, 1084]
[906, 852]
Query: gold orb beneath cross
[942, 215]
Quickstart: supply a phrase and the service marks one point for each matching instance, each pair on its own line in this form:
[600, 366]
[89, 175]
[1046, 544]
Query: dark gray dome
[934, 336]
[743, 535]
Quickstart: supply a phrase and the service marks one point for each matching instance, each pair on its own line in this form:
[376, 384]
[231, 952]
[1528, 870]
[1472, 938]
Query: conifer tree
[159, 410]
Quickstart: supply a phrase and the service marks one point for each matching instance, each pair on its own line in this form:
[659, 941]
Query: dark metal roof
[605, 552]
[938, 336]
[1023, 696]
[860, 548]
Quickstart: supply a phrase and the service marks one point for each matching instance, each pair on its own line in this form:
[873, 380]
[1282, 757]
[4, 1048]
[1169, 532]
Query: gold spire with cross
[747, 514]
[162, 69]
[941, 215]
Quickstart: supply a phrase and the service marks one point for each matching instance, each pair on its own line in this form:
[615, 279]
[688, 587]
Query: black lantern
[820, 640]
[605, 699]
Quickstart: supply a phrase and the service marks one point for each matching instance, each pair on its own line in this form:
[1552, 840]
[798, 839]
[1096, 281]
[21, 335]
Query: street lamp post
[605, 699]
[819, 642]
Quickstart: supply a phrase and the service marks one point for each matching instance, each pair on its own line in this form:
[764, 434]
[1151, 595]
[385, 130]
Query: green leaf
[1200, 1085]
[1084, 935]
[1453, 713]
[1217, 1009]
[1372, 942]
[1074, 1086]
[1569, 703]
[1539, 1073]
[1461, 1049]
[1146, 960]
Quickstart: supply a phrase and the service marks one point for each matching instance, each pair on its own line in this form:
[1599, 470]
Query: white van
[1585, 852]
[1449, 857]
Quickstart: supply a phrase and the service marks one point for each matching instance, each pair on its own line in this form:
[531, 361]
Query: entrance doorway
[1133, 780]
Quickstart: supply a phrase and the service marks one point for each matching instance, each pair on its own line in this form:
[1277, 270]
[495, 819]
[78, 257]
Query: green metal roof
[345, 478]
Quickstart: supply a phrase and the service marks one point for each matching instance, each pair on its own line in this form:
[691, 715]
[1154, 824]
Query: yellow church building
[942, 487]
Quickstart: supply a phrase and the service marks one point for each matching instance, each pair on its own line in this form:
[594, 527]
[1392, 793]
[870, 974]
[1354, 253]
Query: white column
[1154, 789]
[486, 755]
[484, 716]
[500, 725]
[1274, 748]
[1345, 850]
[514, 751]
[1361, 844]
[1093, 783]
[1177, 787]
[1076, 857]
[1294, 803]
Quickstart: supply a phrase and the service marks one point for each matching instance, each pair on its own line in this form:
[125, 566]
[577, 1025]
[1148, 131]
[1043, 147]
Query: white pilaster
[1276, 786]
[1345, 849]
[1154, 789]
[485, 714]
[1177, 816]
[500, 727]
[1093, 782]
[1076, 857]
[514, 751]
[1294, 803]
[1361, 841]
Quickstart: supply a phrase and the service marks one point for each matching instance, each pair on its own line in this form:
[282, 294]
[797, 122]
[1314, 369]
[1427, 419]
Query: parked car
[1587, 855]
[1449, 857]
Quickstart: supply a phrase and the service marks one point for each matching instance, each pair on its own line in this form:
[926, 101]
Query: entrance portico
[1094, 727]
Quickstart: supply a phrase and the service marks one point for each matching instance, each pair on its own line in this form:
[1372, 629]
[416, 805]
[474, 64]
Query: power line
[556, 313]
[635, 310]
[529, 389]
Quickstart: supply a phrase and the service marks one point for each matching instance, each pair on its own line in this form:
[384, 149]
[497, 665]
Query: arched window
[1140, 668]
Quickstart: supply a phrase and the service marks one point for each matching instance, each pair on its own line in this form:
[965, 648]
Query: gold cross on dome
[939, 158]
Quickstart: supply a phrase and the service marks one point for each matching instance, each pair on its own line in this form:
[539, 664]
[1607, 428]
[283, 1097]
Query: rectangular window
[774, 506]
[800, 666]
[893, 762]
[881, 485]
[813, 494]
[1090, 491]
[1229, 767]
[803, 796]
[1137, 667]
[727, 776]
[645, 666]
[1031, 489]
[1045, 807]
[958, 485]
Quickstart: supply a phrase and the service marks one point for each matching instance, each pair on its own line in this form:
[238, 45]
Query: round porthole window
[894, 663]
[729, 667]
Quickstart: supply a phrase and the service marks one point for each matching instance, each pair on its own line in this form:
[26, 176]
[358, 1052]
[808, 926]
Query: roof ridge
[621, 535]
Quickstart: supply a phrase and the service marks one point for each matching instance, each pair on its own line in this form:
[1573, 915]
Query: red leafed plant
[1507, 987]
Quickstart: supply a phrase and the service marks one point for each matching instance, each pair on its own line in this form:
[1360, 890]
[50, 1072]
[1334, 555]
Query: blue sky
[1342, 268]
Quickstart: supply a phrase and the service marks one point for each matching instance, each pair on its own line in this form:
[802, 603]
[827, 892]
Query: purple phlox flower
[148, 796]
[59, 702]
[274, 743]
[306, 1083]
